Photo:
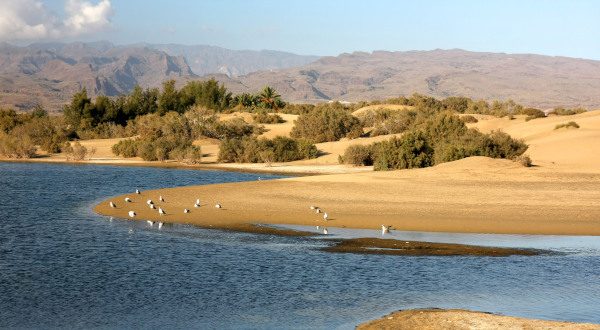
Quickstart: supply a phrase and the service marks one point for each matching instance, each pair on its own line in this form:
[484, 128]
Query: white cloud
[31, 20]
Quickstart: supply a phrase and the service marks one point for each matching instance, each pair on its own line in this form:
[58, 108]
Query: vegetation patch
[326, 124]
[261, 150]
[263, 117]
[442, 138]
[570, 124]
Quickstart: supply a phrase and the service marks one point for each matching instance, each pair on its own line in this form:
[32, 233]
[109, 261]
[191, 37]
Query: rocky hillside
[210, 59]
[534, 80]
[49, 74]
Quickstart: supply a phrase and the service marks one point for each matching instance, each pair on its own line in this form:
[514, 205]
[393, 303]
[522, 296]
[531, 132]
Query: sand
[475, 194]
[434, 319]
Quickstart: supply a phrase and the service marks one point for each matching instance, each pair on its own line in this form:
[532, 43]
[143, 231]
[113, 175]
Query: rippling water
[63, 266]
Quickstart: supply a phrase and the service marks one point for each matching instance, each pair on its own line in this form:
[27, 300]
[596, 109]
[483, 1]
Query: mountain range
[49, 73]
[532, 80]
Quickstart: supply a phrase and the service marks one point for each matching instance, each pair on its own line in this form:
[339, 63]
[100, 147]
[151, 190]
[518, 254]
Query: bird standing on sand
[152, 206]
[186, 211]
[160, 198]
[385, 229]
[218, 205]
[317, 210]
[137, 191]
[131, 214]
[112, 205]
[312, 207]
[325, 216]
[149, 202]
[127, 199]
[161, 211]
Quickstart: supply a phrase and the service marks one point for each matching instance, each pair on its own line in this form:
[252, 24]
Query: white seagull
[325, 216]
[160, 224]
[318, 210]
[128, 200]
[325, 231]
[385, 229]
[151, 223]
[131, 214]
[160, 198]
[152, 206]
[218, 205]
[137, 191]
[149, 202]
[112, 205]
[161, 211]
[186, 211]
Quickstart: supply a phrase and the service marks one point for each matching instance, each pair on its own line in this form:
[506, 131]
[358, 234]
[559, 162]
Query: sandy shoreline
[473, 195]
[433, 319]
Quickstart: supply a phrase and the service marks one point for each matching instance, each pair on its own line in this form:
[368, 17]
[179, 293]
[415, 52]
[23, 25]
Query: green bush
[438, 139]
[78, 152]
[469, 119]
[189, 155]
[567, 125]
[394, 122]
[262, 117]
[412, 150]
[567, 112]
[253, 150]
[533, 113]
[16, 146]
[125, 148]
[326, 124]
[357, 155]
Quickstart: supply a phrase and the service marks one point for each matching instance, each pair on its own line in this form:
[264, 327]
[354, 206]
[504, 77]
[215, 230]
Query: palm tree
[270, 98]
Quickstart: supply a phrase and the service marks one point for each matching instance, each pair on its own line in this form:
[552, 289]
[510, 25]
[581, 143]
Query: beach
[463, 319]
[558, 195]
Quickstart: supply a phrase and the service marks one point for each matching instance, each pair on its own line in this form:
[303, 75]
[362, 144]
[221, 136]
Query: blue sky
[568, 28]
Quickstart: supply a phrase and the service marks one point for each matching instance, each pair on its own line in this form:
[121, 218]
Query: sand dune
[567, 149]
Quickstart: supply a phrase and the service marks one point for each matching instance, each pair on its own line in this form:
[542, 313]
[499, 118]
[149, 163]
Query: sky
[325, 27]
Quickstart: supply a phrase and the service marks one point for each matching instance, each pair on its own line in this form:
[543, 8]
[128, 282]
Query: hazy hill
[211, 59]
[49, 74]
[534, 80]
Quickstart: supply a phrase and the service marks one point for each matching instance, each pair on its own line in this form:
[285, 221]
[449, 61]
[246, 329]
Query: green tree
[270, 99]
[169, 98]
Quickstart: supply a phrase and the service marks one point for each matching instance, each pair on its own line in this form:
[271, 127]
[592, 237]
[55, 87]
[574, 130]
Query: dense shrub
[358, 155]
[523, 160]
[394, 122]
[533, 113]
[412, 150]
[441, 138]
[158, 137]
[567, 125]
[188, 155]
[125, 148]
[326, 124]
[15, 146]
[469, 119]
[254, 150]
[567, 112]
[77, 152]
[262, 117]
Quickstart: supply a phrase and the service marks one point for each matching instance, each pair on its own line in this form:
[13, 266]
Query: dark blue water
[63, 266]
